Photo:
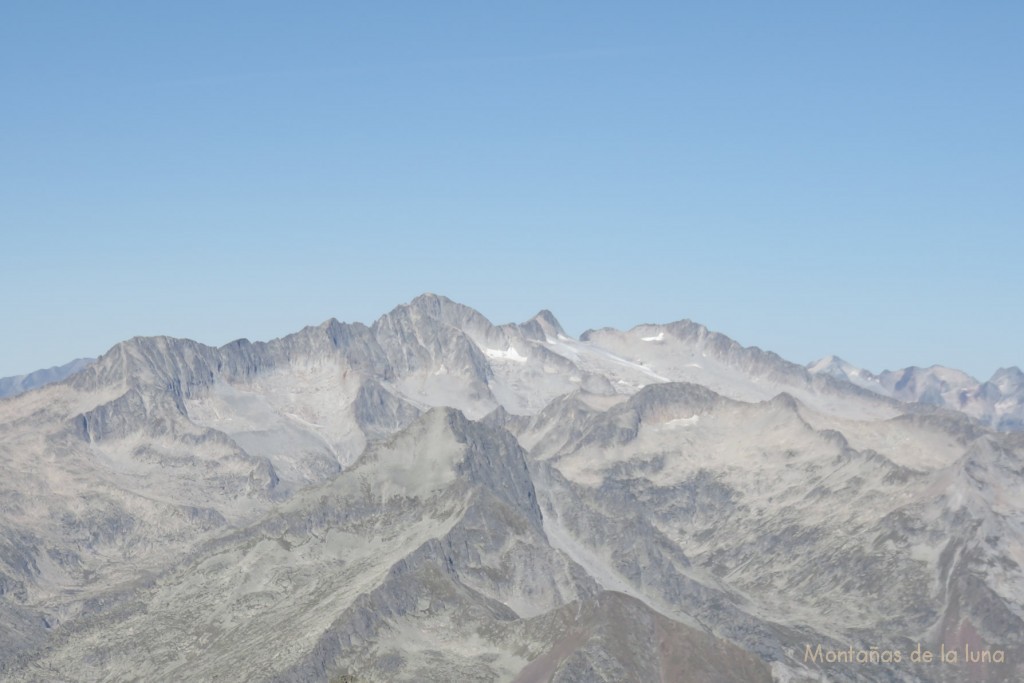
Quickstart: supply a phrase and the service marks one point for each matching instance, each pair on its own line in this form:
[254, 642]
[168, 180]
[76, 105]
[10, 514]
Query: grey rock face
[434, 497]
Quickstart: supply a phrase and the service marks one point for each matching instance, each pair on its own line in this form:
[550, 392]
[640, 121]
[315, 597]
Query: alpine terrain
[437, 498]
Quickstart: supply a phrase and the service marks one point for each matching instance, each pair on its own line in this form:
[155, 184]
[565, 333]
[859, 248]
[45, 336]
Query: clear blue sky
[809, 177]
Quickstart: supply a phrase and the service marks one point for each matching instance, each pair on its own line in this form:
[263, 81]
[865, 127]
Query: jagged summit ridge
[437, 336]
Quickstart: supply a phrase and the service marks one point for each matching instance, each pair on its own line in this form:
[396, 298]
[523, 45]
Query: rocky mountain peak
[545, 323]
[1008, 379]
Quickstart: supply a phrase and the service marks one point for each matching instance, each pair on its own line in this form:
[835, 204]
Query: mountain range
[19, 384]
[433, 497]
[997, 403]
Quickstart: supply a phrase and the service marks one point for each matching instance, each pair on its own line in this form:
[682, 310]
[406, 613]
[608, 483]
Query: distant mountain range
[999, 402]
[12, 386]
[433, 497]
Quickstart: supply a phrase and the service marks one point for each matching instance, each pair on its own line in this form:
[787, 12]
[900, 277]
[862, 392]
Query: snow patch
[511, 354]
[683, 421]
[657, 338]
